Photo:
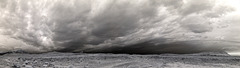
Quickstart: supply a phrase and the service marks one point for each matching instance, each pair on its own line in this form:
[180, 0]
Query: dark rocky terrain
[82, 60]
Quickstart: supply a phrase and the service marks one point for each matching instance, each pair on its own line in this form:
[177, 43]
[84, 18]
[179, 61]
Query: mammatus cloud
[136, 26]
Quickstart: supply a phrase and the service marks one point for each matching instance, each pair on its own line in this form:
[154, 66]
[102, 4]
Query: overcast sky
[93, 25]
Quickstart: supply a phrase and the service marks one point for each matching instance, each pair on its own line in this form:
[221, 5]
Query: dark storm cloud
[106, 25]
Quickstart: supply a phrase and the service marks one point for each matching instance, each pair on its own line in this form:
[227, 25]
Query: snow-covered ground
[82, 60]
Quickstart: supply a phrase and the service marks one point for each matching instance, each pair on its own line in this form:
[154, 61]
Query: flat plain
[107, 60]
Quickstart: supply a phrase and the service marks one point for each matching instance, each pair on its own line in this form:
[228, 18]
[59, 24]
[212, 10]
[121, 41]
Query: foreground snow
[80, 60]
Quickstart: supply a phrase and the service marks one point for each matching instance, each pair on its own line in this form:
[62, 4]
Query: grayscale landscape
[119, 34]
[82, 60]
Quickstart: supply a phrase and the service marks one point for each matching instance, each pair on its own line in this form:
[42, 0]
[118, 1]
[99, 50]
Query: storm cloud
[122, 26]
